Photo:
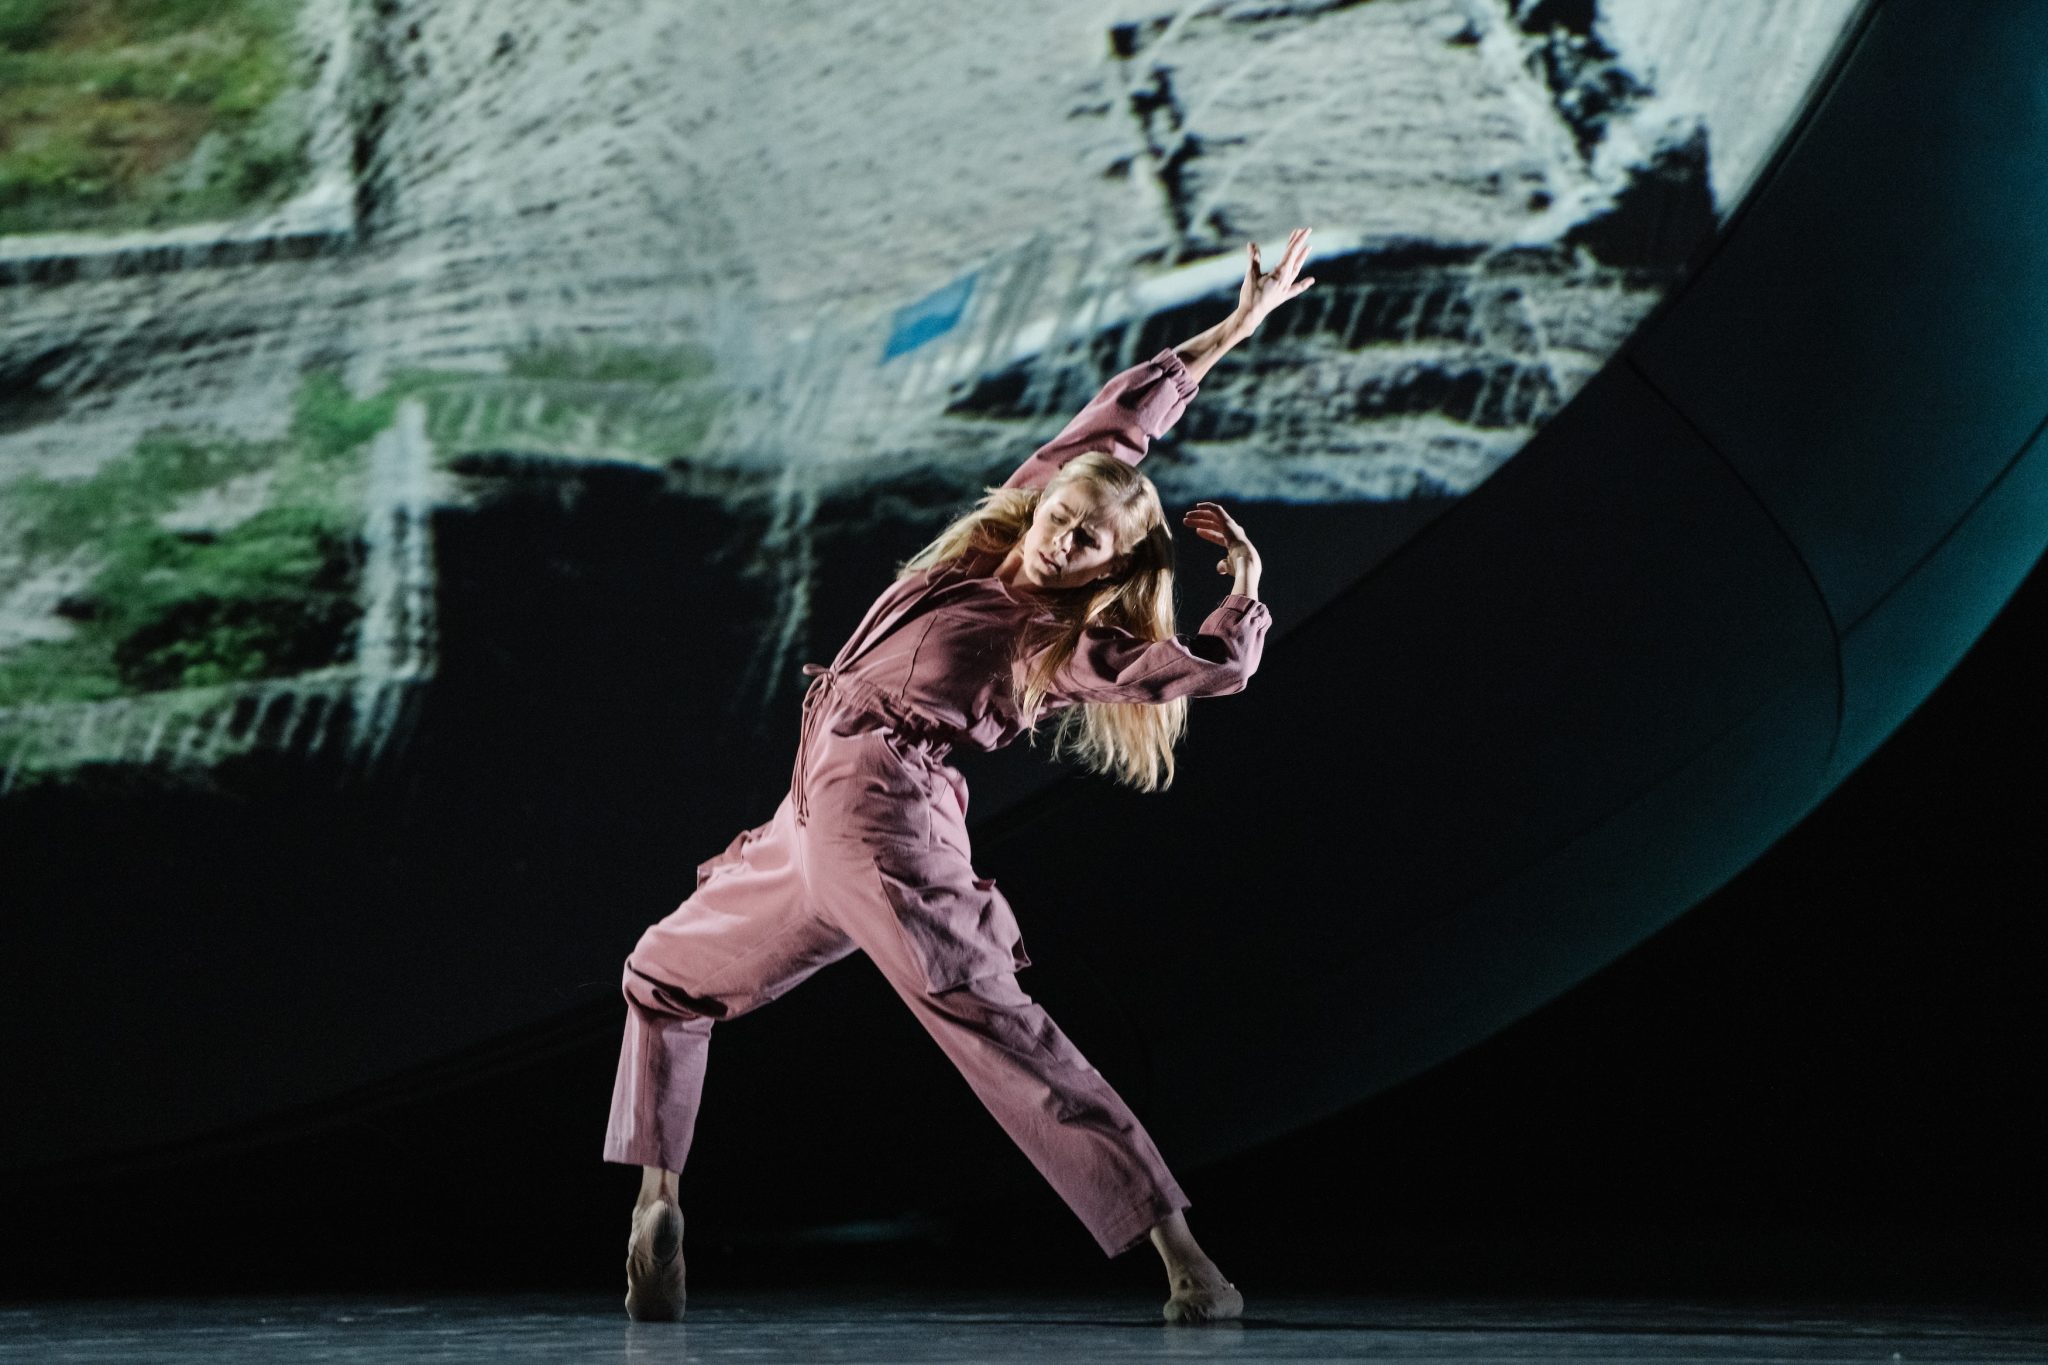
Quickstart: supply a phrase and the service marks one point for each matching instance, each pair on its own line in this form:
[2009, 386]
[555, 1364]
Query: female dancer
[1054, 596]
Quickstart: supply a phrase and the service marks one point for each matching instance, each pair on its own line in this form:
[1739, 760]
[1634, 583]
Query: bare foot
[1201, 1294]
[654, 1263]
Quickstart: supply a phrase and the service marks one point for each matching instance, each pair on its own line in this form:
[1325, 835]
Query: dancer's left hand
[1263, 291]
[1209, 521]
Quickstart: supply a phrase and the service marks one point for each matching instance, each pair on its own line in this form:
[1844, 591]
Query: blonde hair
[1129, 742]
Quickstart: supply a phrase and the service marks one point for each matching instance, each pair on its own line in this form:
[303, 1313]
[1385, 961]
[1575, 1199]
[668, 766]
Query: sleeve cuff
[1239, 602]
[1174, 368]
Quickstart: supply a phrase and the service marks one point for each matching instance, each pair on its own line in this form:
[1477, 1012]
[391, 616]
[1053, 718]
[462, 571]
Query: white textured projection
[784, 248]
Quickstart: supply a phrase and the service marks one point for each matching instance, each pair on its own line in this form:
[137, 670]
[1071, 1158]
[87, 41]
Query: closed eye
[1060, 517]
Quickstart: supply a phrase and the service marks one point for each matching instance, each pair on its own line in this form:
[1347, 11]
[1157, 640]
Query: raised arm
[1132, 408]
[1147, 399]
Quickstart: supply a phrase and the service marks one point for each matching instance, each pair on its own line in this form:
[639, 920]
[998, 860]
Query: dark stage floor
[898, 1327]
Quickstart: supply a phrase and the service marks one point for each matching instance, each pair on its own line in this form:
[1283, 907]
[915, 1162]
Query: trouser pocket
[957, 931]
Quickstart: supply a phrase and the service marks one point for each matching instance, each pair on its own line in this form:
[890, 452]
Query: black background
[1821, 1081]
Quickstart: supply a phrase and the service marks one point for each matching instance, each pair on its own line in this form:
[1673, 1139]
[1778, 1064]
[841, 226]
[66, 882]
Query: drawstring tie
[821, 678]
[916, 735]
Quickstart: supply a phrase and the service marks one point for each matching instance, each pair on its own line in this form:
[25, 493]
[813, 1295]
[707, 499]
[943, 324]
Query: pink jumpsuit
[869, 850]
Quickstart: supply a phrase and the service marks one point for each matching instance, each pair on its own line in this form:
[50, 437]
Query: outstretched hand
[1263, 291]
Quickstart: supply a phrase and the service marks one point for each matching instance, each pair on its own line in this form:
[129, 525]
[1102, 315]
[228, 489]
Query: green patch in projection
[271, 595]
[148, 113]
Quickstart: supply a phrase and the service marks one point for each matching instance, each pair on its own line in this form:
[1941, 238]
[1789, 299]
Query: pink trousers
[869, 851]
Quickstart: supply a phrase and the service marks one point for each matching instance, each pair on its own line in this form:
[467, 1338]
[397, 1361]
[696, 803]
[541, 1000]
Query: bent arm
[1111, 664]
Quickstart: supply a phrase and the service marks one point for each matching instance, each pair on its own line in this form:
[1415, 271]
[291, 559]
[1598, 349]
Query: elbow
[1242, 668]
[1232, 679]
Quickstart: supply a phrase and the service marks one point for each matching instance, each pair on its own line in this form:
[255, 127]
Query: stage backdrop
[434, 434]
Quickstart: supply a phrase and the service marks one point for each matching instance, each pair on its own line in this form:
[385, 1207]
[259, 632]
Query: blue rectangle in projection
[934, 315]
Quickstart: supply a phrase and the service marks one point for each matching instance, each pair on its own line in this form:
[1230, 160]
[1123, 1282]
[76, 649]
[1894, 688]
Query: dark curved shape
[1604, 682]
[1567, 709]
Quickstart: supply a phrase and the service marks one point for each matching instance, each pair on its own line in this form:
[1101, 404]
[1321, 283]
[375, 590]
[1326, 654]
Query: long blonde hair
[1129, 742]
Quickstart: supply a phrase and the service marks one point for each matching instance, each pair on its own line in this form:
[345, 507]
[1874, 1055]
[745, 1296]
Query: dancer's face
[1070, 542]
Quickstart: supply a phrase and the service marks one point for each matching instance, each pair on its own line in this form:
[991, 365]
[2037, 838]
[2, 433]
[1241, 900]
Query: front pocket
[957, 931]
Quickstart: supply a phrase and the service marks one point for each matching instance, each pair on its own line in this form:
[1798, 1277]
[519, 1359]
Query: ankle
[1182, 1258]
[1176, 1245]
[656, 1187]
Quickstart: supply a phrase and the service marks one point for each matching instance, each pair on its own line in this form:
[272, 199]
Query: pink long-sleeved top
[937, 652]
